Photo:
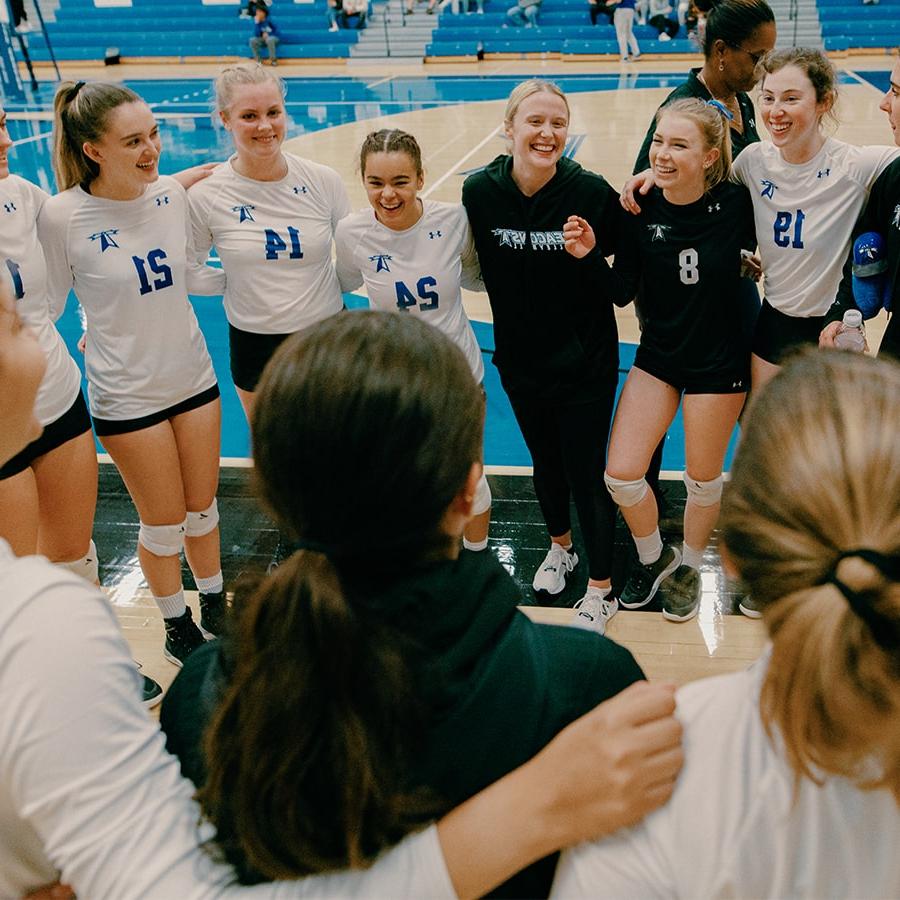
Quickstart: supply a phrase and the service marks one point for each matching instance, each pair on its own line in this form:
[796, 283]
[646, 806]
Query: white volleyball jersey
[274, 239]
[419, 270]
[805, 215]
[131, 266]
[22, 265]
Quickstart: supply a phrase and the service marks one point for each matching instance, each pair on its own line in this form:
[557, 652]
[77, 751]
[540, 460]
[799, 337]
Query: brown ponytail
[365, 429]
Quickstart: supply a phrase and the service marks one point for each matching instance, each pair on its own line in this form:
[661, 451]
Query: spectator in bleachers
[663, 20]
[598, 8]
[623, 19]
[265, 31]
[525, 12]
[354, 13]
[640, 11]
[333, 11]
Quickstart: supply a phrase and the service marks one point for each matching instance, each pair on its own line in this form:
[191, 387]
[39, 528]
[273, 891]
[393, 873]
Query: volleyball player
[791, 785]
[271, 216]
[414, 256]
[555, 332]
[681, 259]
[118, 233]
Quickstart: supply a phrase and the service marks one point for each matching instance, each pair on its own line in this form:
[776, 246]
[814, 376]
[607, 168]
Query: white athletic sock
[594, 590]
[211, 585]
[566, 547]
[649, 548]
[690, 556]
[475, 546]
[171, 607]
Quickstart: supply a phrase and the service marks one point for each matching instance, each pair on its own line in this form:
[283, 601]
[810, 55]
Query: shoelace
[586, 607]
[559, 557]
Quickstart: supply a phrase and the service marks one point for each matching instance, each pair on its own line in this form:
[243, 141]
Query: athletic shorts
[105, 427]
[733, 380]
[74, 422]
[778, 333]
[249, 354]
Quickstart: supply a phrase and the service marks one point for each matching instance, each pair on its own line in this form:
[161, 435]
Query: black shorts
[778, 333]
[733, 380]
[74, 422]
[249, 354]
[105, 427]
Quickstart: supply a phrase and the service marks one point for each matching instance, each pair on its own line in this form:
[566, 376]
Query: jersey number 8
[687, 266]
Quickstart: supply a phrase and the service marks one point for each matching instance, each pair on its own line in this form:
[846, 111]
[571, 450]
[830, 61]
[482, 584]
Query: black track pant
[567, 442]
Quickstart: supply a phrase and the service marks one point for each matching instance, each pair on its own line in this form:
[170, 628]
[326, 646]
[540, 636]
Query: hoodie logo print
[896, 220]
[510, 238]
[547, 240]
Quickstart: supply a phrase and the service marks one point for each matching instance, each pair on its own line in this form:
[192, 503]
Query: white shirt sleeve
[340, 207]
[53, 221]
[199, 277]
[348, 272]
[740, 168]
[874, 160]
[198, 210]
[470, 277]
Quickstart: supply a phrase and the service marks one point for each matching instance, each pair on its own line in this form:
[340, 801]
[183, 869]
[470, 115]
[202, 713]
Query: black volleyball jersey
[682, 264]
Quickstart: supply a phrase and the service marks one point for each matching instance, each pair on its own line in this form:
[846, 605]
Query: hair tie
[722, 108]
[885, 631]
[78, 86]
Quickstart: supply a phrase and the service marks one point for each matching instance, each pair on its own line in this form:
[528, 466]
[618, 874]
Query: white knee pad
[86, 567]
[626, 493]
[482, 500]
[163, 540]
[200, 523]
[703, 493]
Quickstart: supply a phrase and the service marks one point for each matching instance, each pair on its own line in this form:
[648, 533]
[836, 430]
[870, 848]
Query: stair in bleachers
[853, 26]
[804, 30]
[392, 34]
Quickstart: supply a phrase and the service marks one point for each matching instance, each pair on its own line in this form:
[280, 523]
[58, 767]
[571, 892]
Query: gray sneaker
[644, 581]
[594, 612]
[749, 607]
[680, 594]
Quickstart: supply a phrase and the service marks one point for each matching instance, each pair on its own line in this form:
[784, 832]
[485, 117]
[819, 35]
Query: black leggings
[567, 442]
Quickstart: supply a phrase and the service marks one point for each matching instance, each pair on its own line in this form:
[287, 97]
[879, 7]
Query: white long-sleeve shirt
[88, 793]
[132, 266]
[274, 239]
[23, 267]
[733, 829]
[420, 270]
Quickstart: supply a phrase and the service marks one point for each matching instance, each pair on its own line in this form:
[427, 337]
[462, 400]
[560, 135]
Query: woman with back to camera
[791, 786]
[414, 256]
[109, 814]
[410, 676]
[118, 233]
[680, 258]
[557, 348]
[271, 216]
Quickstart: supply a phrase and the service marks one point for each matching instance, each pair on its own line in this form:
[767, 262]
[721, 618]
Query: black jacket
[497, 687]
[694, 87]
[554, 327]
[881, 214]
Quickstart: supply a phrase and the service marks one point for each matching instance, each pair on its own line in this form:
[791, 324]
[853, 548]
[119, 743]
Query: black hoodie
[554, 326]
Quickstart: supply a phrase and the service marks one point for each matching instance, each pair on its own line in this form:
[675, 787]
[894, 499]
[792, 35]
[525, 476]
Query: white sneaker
[664, 37]
[551, 574]
[595, 611]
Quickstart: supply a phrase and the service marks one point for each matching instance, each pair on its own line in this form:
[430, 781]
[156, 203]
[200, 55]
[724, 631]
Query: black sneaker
[182, 638]
[644, 581]
[152, 692]
[749, 607]
[680, 594]
[213, 610]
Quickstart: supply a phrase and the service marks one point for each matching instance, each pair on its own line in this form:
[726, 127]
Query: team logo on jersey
[381, 261]
[10, 207]
[768, 188]
[896, 220]
[659, 232]
[300, 189]
[714, 207]
[162, 201]
[548, 240]
[823, 173]
[246, 213]
[510, 238]
[434, 234]
[106, 239]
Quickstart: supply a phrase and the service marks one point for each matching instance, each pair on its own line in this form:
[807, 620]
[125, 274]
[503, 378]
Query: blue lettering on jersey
[106, 239]
[547, 240]
[406, 298]
[823, 173]
[300, 189]
[769, 188]
[156, 265]
[434, 234]
[782, 225]
[246, 214]
[896, 220]
[162, 201]
[381, 261]
[510, 238]
[15, 274]
[658, 232]
[9, 207]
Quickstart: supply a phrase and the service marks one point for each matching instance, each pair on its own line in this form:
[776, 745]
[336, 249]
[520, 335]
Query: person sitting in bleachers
[525, 12]
[353, 14]
[265, 31]
[333, 11]
[663, 20]
[598, 8]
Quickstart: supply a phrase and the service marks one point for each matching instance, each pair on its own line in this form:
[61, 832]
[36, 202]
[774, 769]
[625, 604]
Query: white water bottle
[852, 335]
